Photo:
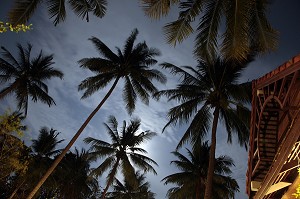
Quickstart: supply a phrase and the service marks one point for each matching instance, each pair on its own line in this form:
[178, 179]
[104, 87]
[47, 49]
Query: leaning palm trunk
[66, 149]
[212, 151]
[111, 178]
[16, 190]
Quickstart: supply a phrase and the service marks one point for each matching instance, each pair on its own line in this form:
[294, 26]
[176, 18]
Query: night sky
[69, 43]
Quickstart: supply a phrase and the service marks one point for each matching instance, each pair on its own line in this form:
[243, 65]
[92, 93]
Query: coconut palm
[73, 176]
[209, 93]
[132, 64]
[246, 25]
[45, 145]
[26, 76]
[123, 151]
[44, 148]
[23, 10]
[126, 190]
[190, 182]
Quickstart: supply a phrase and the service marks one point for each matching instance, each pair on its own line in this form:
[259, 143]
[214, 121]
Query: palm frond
[99, 7]
[198, 128]
[235, 44]
[129, 96]
[38, 93]
[57, 10]
[81, 8]
[157, 8]
[104, 50]
[93, 84]
[234, 124]
[22, 11]
[106, 164]
[97, 65]
[264, 37]
[176, 70]
[177, 31]
[207, 30]
[140, 91]
[129, 43]
[143, 162]
[10, 60]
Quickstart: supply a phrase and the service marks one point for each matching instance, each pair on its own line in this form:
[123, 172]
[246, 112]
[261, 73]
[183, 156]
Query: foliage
[127, 190]
[73, 176]
[26, 76]
[233, 28]
[131, 64]
[209, 85]
[123, 151]
[206, 94]
[18, 28]
[14, 157]
[190, 182]
[23, 10]
[297, 194]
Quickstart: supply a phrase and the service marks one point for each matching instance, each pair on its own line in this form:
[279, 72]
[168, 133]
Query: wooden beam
[262, 82]
[278, 186]
[282, 154]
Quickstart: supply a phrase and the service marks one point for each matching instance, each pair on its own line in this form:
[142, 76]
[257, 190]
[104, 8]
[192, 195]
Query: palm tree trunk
[111, 178]
[198, 190]
[66, 149]
[212, 152]
[16, 189]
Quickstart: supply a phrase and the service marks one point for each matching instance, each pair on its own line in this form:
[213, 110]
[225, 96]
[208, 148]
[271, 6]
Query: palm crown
[27, 76]
[123, 150]
[46, 143]
[131, 64]
[210, 85]
[246, 25]
[190, 182]
[127, 190]
[23, 10]
[210, 92]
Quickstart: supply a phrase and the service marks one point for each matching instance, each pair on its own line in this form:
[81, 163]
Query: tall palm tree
[209, 93]
[23, 10]
[132, 64]
[44, 148]
[73, 176]
[190, 182]
[122, 151]
[27, 76]
[128, 191]
[246, 25]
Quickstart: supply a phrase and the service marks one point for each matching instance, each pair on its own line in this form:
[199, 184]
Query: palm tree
[44, 148]
[23, 10]
[246, 25]
[190, 182]
[122, 151]
[27, 76]
[211, 92]
[127, 191]
[73, 176]
[132, 65]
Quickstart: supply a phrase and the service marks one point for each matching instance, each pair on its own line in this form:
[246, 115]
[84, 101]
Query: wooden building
[274, 149]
